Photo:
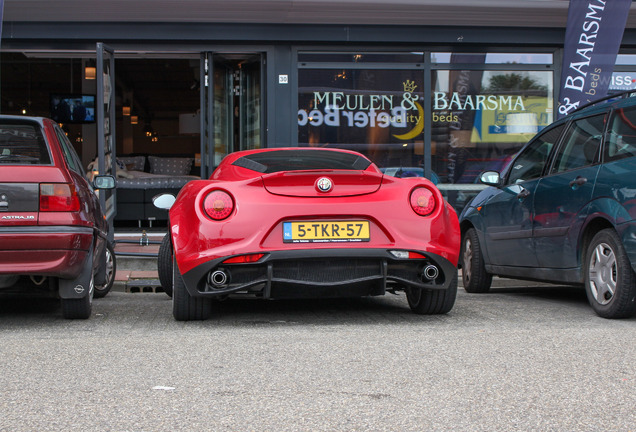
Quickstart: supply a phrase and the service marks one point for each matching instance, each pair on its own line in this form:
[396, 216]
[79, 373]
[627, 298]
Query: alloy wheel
[467, 259]
[602, 273]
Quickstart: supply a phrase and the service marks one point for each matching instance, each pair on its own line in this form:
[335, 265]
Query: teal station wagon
[563, 210]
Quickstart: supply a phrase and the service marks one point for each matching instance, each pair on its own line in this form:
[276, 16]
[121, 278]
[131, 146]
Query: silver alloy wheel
[110, 270]
[91, 289]
[468, 259]
[109, 267]
[602, 273]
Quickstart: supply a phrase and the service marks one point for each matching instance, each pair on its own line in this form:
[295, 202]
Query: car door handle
[579, 181]
[523, 194]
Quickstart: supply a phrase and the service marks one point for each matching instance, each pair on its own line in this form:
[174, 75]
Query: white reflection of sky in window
[501, 58]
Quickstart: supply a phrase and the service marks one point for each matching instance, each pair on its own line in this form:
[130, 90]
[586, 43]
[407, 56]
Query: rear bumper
[320, 273]
[44, 251]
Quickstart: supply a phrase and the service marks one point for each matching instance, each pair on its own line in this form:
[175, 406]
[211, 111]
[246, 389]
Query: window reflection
[480, 119]
[496, 58]
[377, 112]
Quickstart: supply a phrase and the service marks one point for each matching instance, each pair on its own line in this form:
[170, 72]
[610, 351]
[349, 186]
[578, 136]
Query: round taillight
[218, 205]
[422, 201]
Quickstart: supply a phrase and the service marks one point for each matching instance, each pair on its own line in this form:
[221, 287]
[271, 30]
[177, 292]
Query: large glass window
[476, 114]
[378, 112]
[494, 58]
[481, 118]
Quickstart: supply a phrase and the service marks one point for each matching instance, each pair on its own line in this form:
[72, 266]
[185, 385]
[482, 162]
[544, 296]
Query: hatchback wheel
[474, 275]
[111, 269]
[610, 282]
[80, 308]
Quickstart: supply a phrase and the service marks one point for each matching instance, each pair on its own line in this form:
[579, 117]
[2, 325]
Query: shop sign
[353, 109]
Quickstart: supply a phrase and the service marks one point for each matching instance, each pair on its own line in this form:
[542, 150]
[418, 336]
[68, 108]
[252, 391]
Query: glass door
[232, 106]
[105, 115]
[250, 103]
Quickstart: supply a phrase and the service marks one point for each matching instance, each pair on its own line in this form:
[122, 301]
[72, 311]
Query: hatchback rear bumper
[44, 251]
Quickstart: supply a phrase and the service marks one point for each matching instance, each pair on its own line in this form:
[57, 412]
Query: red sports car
[53, 235]
[307, 222]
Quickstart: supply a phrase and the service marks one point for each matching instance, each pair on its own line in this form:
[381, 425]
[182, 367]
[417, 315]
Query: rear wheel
[164, 265]
[184, 306]
[432, 302]
[111, 269]
[79, 308]
[610, 282]
[474, 275]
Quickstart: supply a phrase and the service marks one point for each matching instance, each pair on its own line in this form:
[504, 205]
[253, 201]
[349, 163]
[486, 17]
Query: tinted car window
[580, 144]
[69, 153]
[621, 141]
[22, 143]
[297, 160]
[531, 161]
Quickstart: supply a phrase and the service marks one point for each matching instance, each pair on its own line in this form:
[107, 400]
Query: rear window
[300, 160]
[22, 143]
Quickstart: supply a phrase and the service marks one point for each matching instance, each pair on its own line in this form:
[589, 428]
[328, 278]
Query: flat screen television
[73, 108]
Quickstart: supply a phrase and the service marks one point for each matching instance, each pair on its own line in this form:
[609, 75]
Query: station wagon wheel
[432, 302]
[474, 275]
[610, 283]
[184, 306]
[111, 269]
[164, 265]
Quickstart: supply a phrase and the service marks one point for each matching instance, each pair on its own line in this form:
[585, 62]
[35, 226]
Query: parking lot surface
[523, 357]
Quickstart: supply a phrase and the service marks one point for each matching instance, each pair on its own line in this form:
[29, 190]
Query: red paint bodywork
[50, 243]
[262, 202]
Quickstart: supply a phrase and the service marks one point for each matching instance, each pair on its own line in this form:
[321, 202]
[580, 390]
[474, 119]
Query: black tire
[475, 278]
[164, 265]
[610, 282]
[79, 308]
[111, 270]
[432, 302]
[184, 306]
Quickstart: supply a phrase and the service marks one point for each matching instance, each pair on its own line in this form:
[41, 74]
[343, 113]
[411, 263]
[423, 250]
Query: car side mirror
[490, 178]
[163, 201]
[104, 182]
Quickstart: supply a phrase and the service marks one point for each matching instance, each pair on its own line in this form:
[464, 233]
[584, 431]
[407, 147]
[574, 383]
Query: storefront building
[434, 88]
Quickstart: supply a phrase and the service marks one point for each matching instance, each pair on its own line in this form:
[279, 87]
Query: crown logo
[409, 86]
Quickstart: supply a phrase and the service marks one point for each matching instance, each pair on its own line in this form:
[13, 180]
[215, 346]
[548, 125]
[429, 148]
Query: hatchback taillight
[218, 205]
[58, 197]
[423, 201]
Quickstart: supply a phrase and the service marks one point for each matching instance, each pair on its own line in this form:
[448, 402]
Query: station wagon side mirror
[490, 178]
[163, 201]
[104, 182]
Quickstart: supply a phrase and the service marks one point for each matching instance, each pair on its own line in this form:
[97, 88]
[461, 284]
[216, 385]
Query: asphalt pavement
[525, 357]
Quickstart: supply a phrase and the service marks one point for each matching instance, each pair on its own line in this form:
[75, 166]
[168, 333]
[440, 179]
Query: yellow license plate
[326, 231]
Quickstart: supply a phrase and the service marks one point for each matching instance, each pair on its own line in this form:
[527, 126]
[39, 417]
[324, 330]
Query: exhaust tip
[218, 278]
[430, 272]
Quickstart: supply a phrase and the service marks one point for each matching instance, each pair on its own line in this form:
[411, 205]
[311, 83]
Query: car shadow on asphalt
[27, 304]
[304, 306]
[564, 293]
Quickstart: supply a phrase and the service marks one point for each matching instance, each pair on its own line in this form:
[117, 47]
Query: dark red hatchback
[53, 234]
